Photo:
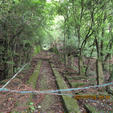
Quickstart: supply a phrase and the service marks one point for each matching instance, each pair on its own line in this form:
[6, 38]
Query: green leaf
[31, 103]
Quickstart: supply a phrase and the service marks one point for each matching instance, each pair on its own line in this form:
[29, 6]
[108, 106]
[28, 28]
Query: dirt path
[46, 80]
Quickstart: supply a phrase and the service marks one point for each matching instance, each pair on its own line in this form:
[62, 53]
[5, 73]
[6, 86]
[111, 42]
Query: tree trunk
[99, 72]
[99, 67]
[81, 65]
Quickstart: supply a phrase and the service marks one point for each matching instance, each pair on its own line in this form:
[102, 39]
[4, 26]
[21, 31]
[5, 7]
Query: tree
[20, 22]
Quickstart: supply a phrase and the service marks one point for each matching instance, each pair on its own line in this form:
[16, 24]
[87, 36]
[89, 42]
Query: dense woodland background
[70, 28]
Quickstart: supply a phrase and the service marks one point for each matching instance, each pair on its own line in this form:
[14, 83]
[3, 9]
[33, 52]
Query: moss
[34, 76]
[70, 103]
[75, 84]
[33, 79]
[76, 77]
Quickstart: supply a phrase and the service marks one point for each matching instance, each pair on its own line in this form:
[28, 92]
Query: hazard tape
[14, 76]
[55, 92]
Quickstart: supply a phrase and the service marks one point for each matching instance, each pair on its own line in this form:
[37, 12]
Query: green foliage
[22, 23]
[79, 25]
[31, 107]
[37, 50]
[54, 49]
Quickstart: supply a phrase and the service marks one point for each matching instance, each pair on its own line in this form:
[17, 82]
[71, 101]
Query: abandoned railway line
[43, 75]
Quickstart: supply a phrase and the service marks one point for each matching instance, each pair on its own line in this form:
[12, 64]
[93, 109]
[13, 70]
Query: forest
[63, 48]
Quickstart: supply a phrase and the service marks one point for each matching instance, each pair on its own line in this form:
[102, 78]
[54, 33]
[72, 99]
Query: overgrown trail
[46, 72]
[46, 80]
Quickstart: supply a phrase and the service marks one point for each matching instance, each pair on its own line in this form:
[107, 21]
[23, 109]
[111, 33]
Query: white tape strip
[14, 76]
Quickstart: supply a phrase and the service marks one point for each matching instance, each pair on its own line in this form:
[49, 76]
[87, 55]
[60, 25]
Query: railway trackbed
[43, 75]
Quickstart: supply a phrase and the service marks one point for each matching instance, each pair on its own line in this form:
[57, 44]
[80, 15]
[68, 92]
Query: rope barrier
[31, 92]
[82, 88]
[52, 92]
[14, 76]
[55, 92]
